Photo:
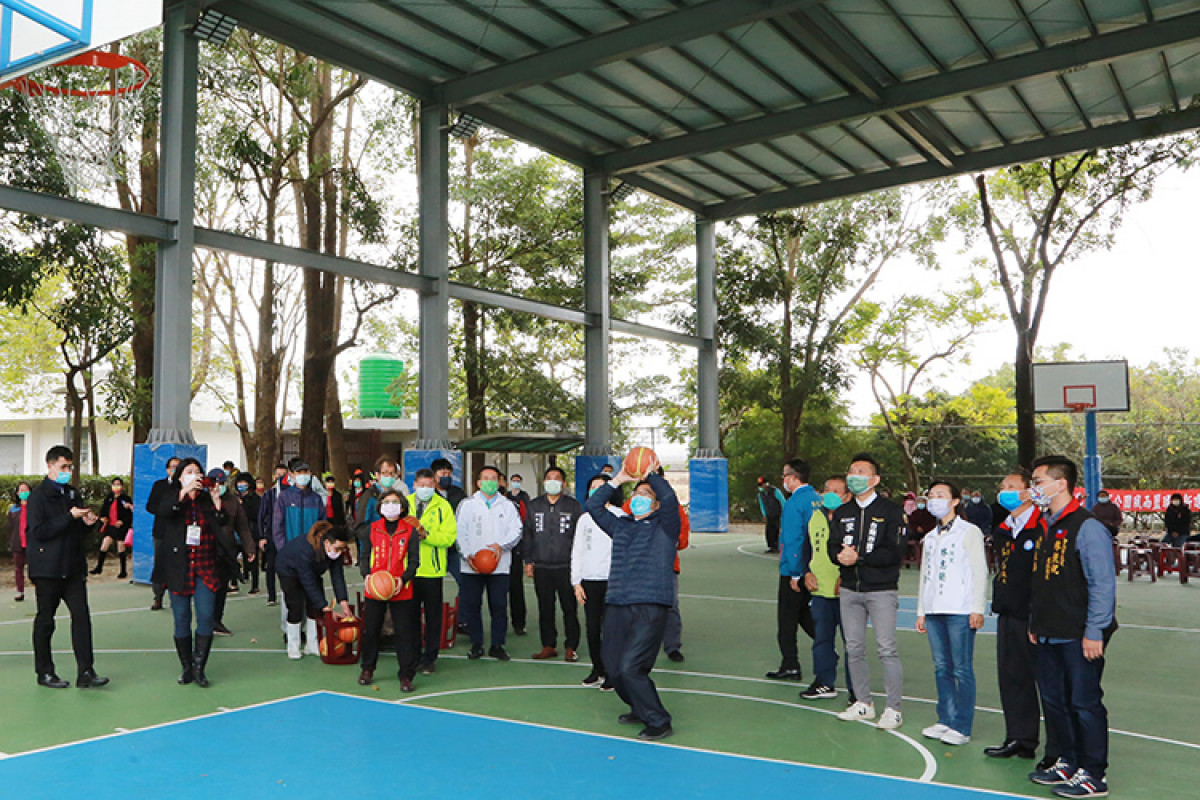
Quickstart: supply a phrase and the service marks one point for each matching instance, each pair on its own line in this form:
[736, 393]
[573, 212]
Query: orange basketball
[339, 649]
[380, 585]
[638, 462]
[348, 634]
[485, 561]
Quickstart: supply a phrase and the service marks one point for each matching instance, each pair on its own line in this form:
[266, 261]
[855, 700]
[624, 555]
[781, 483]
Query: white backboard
[1104, 385]
[37, 33]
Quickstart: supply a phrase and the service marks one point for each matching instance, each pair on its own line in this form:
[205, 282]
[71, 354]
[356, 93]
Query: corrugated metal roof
[731, 107]
[522, 443]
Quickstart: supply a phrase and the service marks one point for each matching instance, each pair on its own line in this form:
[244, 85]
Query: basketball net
[87, 106]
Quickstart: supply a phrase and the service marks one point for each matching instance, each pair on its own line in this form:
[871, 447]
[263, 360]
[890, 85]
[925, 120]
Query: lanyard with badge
[193, 529]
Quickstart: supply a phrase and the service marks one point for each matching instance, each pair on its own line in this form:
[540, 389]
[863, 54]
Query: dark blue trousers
[471, 588]
[632, 637]
[1073, 704]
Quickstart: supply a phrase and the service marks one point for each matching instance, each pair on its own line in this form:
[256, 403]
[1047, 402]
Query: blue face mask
[63, 478]
[640, 505]
[831, 500]
[1009, 499]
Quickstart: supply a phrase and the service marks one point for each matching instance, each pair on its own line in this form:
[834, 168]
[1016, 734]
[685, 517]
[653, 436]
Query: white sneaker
[953, 737]
[935, 731]
[889, 720]
[858, 710]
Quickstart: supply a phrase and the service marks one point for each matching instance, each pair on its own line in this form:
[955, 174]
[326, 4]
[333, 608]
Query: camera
[208, 483]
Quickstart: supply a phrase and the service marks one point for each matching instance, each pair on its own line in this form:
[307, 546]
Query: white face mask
[333, 555]
[391, 510]
[515, 485]
[939, 506]
[302, 479]
[553, 487]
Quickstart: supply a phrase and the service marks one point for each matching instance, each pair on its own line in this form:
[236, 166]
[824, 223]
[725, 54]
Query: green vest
[820, 565]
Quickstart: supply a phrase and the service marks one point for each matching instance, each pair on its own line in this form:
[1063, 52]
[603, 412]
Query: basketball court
[528, 728]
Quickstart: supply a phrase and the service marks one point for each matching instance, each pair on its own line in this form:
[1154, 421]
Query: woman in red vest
[17, 539]
[394, 549]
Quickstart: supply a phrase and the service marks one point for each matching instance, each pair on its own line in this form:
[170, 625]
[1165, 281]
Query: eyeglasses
[1043, 481]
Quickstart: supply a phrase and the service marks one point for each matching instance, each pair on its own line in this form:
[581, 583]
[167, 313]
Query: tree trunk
[791, 420]
[75, 423]
[89, 393]
[318, 288]
[1026, 420]
[335, 429]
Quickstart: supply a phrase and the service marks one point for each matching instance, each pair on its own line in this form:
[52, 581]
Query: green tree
[1039, 216]
[908, 343]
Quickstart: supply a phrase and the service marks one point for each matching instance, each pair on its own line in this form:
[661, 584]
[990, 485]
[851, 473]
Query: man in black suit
[58, 525]
[152, 505]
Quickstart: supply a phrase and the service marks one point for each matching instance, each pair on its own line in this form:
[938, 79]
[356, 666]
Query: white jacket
[954, 575]
[482, 524]
[591, 552]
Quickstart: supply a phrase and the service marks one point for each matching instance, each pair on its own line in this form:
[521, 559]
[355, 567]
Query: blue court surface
[327, 745]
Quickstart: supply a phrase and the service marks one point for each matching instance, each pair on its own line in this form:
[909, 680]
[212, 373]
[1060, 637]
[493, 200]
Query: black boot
[183, 646]
[121, 556]
[100, 563]
[200, 659]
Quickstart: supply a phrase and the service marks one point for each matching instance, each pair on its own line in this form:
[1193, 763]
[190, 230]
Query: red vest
[389, 552]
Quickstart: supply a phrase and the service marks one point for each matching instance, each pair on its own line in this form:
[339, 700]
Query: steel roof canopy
[733, 107]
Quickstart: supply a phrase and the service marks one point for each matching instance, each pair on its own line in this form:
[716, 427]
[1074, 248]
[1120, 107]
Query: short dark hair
[172, 458]
[515, 475]
[57, 452]
[293, 463]
[423, 472]
[486, 468]
[281, 465]
[117, 479]
[839, 478]
[228, 465]
[559, 470]
[1059, 468]
[386, 493]
[441, 463]
[955, 492]
[379, 462]
[800, 467]
[1022, 473]
[866, 458]
[596, 479]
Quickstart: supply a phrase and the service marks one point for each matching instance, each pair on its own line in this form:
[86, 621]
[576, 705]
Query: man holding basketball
[640, 588]
[487, 521]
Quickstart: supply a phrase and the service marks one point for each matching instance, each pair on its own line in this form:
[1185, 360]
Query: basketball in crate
[638, 462]
[338, 637]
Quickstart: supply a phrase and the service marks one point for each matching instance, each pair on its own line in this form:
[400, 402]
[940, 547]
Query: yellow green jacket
[441, 530]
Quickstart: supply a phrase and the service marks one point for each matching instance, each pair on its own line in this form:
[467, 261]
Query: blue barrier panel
[150, 465]
[588, 466]
[708, 482]
[423, 459]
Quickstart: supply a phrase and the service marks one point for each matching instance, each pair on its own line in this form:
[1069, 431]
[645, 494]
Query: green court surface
[719, 698]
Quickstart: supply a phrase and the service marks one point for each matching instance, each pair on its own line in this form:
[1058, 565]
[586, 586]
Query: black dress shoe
[52, 681]
[475, 653]
[90, 680]
[1008, 750]
[782, 674]
[676, 656]
[630, 719]
[499, 653]
[652, 733]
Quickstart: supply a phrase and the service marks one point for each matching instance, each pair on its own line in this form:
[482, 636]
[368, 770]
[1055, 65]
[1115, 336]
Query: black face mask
[445, 482]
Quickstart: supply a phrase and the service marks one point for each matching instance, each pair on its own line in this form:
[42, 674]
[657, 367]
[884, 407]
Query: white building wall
[116, 443]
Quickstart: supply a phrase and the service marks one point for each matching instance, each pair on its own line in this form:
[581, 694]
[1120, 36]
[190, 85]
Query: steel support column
[171, 421]
[596, 337]
[708, 411]
[433, 170]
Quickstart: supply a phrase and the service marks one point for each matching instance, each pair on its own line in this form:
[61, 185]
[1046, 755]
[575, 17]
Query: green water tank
[378, 386]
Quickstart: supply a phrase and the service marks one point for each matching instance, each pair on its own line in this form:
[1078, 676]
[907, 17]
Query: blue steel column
[1091, 461]
[597, 449]
[709, 470]
[171, 427]
[433, 404]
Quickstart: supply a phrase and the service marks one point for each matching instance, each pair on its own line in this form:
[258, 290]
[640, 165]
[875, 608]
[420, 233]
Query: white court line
[769, 557]
[159, 725]
[926, 756]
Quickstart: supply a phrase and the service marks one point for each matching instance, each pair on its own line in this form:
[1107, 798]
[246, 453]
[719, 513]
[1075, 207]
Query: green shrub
[93, 488]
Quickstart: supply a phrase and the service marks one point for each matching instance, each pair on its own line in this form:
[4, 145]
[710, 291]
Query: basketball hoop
[87, 135]
[1079, 408]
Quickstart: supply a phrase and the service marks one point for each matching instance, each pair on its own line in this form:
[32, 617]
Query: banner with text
[1134, 500]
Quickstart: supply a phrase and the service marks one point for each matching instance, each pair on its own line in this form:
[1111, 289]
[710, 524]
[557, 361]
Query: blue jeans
[1073, 704]
[827, 622]
[952, 641]
[205, 601]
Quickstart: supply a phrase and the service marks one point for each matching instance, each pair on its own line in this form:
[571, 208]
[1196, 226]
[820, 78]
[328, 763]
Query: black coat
[298, 559]
[339, 508]
[124, 513]
[56, 540]
[155, 502]
[171, 563]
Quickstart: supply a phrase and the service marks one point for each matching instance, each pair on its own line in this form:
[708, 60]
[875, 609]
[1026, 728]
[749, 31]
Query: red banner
[1134, 500]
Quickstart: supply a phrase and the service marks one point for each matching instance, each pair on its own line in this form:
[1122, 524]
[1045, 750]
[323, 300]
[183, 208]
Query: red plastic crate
[334, 650]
